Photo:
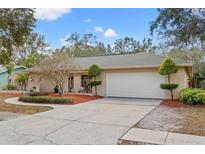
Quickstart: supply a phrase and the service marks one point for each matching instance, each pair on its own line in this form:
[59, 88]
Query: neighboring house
[131, 75]
[4, 75]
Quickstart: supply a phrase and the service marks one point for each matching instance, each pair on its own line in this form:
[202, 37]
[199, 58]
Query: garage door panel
[139, 84]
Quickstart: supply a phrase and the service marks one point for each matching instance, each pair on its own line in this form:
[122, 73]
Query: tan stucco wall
[77, 82]
[45, 85]
[181, 78]
[34, 81]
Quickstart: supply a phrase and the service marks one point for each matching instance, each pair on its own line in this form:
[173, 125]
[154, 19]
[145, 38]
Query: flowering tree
[57, 68]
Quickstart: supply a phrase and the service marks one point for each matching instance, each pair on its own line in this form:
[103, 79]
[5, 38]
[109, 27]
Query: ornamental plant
[22, 80]
[94, 71]
[168, 67]
[192, 96]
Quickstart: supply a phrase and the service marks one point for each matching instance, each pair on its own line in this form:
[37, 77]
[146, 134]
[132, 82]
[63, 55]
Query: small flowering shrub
[192, 96]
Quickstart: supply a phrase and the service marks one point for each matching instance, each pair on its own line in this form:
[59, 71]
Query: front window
[70, 83]
[85, 80]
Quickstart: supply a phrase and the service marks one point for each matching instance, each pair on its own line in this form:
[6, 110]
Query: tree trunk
[25, 86]
[8, 79]
[96, 90]
[60, 90]
[171, 91]
[95, 87]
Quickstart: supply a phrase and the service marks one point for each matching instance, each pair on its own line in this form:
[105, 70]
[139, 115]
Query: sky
[107, 24]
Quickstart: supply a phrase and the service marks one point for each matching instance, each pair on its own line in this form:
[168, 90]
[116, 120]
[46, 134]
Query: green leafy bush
[9, 87]
[95, 83]
[45, 99]
[168, 86]
[192, 96]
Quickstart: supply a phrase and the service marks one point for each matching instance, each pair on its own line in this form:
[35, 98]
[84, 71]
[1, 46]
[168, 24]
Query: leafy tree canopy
[180, 26]
[34, 45]
[15, 26]
[9, 67]
[168, 66]
[86, 45]
[130, 45]
[94, 70]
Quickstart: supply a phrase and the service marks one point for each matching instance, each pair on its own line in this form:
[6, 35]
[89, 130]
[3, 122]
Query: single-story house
[130, 75]
[4, 75]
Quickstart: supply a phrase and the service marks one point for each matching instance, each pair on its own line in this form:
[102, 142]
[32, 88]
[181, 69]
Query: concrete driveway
[101, 121]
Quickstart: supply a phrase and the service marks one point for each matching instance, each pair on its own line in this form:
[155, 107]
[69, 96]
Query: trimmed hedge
[168, 86]
[95, 83]
[45, 99]
[192, 96]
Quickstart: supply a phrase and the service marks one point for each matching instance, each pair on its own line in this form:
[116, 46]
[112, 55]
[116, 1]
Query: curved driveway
[101, 121]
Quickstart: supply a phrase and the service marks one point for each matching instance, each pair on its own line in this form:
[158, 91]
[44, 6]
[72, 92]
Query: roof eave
[120, 67]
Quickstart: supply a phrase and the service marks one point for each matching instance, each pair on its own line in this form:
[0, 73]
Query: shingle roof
[128, 60]
[138, 60]
[3, 69]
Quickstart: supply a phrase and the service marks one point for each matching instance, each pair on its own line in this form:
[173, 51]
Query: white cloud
[98, 29]
[63, 41]
[50, 13]
[87, 20]
[110, 33]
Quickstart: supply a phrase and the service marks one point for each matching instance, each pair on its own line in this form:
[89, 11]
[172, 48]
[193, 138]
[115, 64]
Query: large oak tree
[180, 26]
[15, 27]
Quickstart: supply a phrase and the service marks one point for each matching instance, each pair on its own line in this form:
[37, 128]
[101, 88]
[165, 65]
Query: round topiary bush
[168, 86]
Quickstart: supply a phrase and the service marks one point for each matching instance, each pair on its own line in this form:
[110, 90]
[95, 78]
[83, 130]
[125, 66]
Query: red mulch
[175, 103]
[77, 99]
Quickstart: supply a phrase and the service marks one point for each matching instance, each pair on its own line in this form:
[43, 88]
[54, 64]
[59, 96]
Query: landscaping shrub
[45, 99]
[94, 83]
[9, 87]
[168, 86]
[192, 96]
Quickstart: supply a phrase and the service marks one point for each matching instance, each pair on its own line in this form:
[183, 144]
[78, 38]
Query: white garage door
[139, 85]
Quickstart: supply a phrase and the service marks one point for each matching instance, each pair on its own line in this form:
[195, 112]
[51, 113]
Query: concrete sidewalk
[145, 136]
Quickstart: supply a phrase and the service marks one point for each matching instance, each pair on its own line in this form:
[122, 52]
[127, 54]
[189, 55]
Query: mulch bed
[77, 99]
[175, 103]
